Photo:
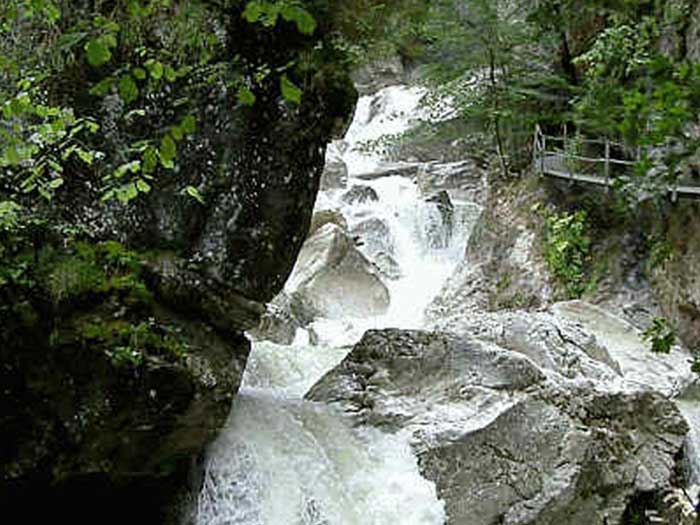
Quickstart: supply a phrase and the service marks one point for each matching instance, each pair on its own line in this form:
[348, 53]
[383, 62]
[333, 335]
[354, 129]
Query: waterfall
[282, 460]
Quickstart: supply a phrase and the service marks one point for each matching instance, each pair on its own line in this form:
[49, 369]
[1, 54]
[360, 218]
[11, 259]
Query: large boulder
[120, 397]
[504, 440]
[374, 238]
[283, 316]
[379, 74]
[333, 279]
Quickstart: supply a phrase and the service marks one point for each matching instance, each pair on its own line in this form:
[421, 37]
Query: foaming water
[284, 461]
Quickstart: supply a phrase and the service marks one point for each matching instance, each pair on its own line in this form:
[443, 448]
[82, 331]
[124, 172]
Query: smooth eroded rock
[333, 279]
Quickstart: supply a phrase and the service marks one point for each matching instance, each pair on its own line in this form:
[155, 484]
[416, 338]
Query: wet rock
[504, 441]
[333, 279]
[464, 180]
[323, 217]
[373, 236]
[439, 220]
[379, 74]
[374, 239]
[283, 317]
[403, 169]
[676, 281]
[86, 419]
[387, 265]
[335, 171]
[360, 194]
[107, 394]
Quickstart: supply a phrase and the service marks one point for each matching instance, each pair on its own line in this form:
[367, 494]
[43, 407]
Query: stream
[282, 460]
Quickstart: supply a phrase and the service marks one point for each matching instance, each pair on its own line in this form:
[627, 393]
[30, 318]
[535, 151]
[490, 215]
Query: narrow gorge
[350, 262]
[381, 389]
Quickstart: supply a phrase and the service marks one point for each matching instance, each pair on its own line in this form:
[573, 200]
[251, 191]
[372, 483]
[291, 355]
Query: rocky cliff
[121, 353]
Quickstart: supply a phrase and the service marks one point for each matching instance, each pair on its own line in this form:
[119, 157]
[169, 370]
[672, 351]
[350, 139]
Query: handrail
[564, 163]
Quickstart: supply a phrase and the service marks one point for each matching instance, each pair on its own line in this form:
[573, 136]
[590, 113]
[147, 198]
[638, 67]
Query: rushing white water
[285, 461]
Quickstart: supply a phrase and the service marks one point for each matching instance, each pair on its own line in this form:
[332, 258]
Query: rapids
[282, 460]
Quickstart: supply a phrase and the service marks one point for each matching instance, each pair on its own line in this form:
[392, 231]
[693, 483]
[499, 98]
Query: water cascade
[285, 461]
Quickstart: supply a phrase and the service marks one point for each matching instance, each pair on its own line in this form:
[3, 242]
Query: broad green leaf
[305, 22]
[150, 160]
[290, 92]
[128, 89]
[103, 86]
[194, 193]
[127, 192]
[56, 183]
[189, 124]
[170, 74]
[86, 156]
[97, 52]
[177, 133]
[246, 96]
[253, 11]
[133, 167]
[155, 68]
[143, 186]
[139, 73]
[168, 151]
[44, 193]
[12, 156]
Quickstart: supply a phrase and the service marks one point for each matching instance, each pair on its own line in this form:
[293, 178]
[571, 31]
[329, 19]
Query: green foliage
[268, 14]
[290, 92]
[660, 251]
[60, 61]
[661, 335]
[567, 248]
[92, 270]
[129, 344]
[695, 364]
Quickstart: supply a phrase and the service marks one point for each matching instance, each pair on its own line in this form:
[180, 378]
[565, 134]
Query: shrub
[661, 335]
[567, 249]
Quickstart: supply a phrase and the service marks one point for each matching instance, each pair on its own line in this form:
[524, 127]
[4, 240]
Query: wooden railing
[565, 162]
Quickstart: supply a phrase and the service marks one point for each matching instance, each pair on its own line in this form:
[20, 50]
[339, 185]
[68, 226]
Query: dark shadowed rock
[359, 195]
[111, 395]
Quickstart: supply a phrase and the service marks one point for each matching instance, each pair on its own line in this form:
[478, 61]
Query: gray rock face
[335, 171]
[463, 180]
[374, 239]
[80, 414]
[280, 322]
[323, 217]
[505, 440]
[439, 221]
[379, 74]
[693, 35]
[360, 194]
[333, 279]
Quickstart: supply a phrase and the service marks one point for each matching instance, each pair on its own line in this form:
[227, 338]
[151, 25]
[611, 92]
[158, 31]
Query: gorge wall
[120, 360]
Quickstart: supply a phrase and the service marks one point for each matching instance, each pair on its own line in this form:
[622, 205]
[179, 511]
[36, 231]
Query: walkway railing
[565, 162]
